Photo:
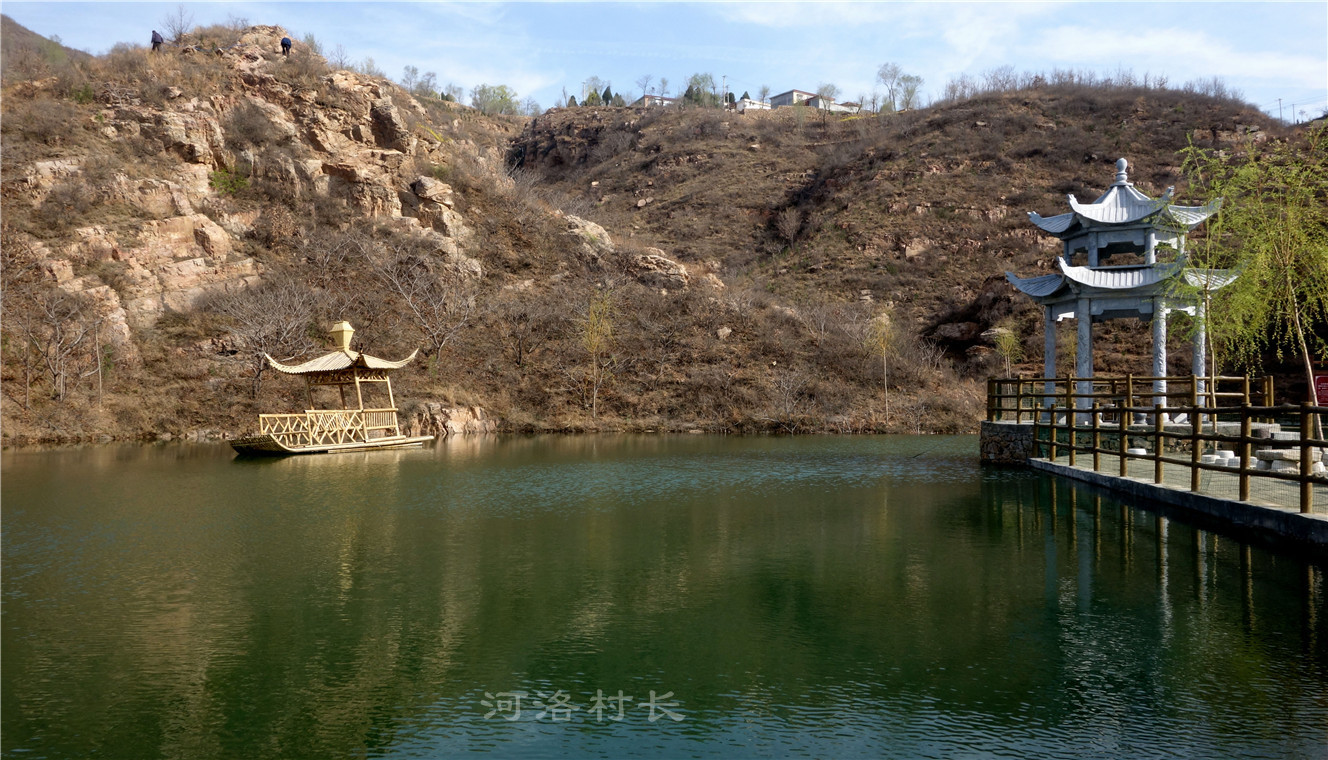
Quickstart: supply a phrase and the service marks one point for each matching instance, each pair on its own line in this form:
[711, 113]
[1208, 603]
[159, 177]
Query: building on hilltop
[790, 98]
[747, 104]
[653, 101]
[1123, 256]
[829, 104]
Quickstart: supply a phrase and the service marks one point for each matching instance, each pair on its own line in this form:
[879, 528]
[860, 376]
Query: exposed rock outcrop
[356, 145]
[437, 419]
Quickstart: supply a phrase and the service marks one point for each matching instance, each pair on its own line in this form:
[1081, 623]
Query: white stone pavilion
[1123, 256]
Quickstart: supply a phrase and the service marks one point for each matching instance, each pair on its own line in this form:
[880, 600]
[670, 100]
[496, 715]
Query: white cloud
[1180, 53]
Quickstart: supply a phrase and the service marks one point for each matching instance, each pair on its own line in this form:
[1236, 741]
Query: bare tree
[338, 58]
[827, 92]
[47, 326]
[439, 303]
[663, 87]
[56, 331]
[178, 23]
[909, 87]
[524, 324]
[790, 392]
[888, 75]
[764, 93]
[270, 320]
[788, 223]
[644, 83]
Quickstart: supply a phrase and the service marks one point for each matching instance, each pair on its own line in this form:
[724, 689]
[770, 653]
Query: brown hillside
[24, 54]
[926, 209]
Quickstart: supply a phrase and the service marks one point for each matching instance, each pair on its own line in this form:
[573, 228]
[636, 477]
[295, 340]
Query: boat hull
[268, 446]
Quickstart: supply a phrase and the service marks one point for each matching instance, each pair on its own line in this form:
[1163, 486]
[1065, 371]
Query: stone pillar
[1083, 361]
[1150, 253]
[1092, 249]
[1049, 354]
[1200, 363]
[1159, 350]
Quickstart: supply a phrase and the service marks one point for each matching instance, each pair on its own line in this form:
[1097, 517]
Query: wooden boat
[321, 431]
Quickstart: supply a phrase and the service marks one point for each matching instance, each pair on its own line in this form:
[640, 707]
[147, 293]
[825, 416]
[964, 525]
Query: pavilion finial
[341, 333]
[1121, 166]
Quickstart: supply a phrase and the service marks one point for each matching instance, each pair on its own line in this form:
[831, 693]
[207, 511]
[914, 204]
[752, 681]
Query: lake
[651, 596]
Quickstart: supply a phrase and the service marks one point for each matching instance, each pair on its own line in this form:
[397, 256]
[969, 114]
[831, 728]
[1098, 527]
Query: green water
[798, 597]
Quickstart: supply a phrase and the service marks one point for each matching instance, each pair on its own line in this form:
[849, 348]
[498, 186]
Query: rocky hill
[168, 218]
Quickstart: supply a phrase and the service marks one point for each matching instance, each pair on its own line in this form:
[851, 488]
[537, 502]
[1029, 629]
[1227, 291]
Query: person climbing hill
[285, 45]
[156, 40]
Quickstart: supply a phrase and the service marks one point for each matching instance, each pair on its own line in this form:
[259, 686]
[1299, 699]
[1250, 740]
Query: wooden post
[1072, 423]
[392, 403]
[1129, 397]
[1069, 414]
[991, 399]
[1037, 431]
[1157, 442]
[1051, 434]
[1245, 445]
[1124, 437]
[359, 397]
[1306, 466]
[1194, 442]
[1194, 395]
[1097, 439]
[1019, 400]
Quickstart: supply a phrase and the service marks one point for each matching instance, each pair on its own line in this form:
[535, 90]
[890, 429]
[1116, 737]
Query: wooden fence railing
[328, 427]
[1111, 421]
[1023, 397]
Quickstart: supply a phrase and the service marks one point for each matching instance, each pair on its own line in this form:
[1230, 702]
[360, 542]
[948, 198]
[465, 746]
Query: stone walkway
[1267, 492]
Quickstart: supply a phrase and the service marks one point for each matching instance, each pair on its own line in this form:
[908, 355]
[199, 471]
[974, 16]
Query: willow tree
[1273, 230]
[597, 338]
[881, 339]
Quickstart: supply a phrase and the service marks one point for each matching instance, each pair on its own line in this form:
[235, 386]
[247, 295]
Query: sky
[1265, 50]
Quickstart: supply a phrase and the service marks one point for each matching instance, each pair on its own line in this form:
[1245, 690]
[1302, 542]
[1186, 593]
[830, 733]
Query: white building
[649, 101]
[790, 98]
[747, 104]
[829, 104]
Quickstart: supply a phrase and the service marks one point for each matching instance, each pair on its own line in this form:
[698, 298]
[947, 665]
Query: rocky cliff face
[363, 151]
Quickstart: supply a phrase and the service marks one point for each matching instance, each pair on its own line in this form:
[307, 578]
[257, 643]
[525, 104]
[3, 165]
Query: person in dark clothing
[156, 40]
[285, 45]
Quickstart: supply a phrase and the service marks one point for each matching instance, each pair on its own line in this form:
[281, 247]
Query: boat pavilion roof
[339, 360]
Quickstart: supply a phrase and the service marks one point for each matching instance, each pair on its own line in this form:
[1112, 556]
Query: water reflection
[824, 597]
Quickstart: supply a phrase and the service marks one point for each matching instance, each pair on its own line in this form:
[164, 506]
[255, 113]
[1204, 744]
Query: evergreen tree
[571, 101]
[730, 99]
[690, 94]
[618, 100]
[593, 99]
[607, 97]
[745, 96]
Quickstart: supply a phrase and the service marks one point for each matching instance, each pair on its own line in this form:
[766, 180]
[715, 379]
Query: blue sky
[1267, 50]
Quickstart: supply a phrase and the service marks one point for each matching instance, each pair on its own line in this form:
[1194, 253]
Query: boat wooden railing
[329, 427]
[1117, 421]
